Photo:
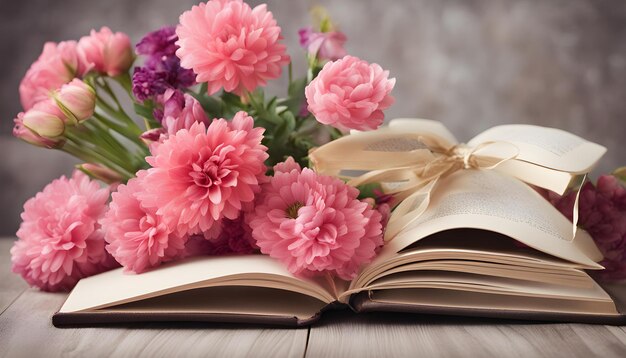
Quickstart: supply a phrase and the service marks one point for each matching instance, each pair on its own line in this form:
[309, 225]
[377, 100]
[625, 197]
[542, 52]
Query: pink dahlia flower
[60, 240]
[323, 45]
[107, 52]
[350, 94]
[315, 223]
[138, 237]
[602, 212]
[230, 45]
[201, 175]
[58, 64]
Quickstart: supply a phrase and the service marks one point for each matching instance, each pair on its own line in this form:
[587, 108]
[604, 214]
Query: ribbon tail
[409, 210]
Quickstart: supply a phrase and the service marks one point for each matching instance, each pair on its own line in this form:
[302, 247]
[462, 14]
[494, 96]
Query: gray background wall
[471, 64]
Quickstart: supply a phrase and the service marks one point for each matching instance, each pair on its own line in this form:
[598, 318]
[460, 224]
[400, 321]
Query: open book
[488, 245]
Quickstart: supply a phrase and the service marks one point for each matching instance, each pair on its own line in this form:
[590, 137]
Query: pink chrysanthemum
[315, 223]
[201, 175]
[137, 237]
[58, 64]
[350, 94]
[602, 212]
[230, 45]
[60, 240]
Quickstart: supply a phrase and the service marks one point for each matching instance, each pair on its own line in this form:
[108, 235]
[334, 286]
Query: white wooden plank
[401, 335]
[26, 331]
[11, 285]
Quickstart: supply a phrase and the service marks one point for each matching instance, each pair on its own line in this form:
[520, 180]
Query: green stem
[92, 157]
[129, 133]
[118, 113]
[100, 154]
[126, 83]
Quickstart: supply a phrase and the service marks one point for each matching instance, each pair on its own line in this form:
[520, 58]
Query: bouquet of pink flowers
[216, 165]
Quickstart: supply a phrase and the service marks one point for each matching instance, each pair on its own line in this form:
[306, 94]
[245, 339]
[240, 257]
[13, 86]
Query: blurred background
[471, 64]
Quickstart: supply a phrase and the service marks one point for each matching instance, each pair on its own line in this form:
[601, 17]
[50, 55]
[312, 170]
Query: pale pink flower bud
[22, 132]
[109, 53]
[45, 119]
[323, 45]
[101, 173]
[57, 64]
[77, 99]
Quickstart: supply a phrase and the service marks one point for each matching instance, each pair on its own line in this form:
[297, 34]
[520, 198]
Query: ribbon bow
[408, 165]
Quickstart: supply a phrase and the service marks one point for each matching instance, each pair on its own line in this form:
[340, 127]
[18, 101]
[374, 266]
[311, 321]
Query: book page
[227, 300]
[601, 303]
[490, 201]
[548, 147]
[116, 287]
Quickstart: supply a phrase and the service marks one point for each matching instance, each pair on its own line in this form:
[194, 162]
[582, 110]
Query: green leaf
[295, 95]
[144, 111]
[213, 106]
[290, 121]
[367, 190]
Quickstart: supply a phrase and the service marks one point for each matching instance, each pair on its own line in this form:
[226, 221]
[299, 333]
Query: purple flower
[602, 212]
[158, 44]
[324, 45]
[148, 83]
[161, 68]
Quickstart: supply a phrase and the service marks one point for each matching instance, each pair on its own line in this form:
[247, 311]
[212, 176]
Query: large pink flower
[58, 64]
[230, 45]
[107, 52]
[602, 212]
[60, 240]
[138, 237]
[201, 175]
[350, 94]
[315, 223]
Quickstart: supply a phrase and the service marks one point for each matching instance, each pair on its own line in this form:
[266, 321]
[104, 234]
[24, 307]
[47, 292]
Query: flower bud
[77, 100]
[20, 131]
[108, 53]
[45, 119]
[327, 46]
[101, 173]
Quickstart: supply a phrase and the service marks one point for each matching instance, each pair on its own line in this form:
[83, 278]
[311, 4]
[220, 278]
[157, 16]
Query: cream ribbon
[408, 165]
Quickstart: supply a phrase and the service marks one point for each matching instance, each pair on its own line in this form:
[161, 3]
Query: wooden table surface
[26, 331]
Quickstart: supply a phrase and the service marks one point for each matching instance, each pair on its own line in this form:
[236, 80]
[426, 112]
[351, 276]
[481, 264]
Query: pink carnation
[602, 212]
[60, 240]
[107, 52]
[137, 236]
[350, 94]
[230, 45]
[58, 64]
[201, 175]
[315, 223]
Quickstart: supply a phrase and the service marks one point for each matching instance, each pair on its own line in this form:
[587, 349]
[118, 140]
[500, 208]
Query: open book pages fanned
[487, 245]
